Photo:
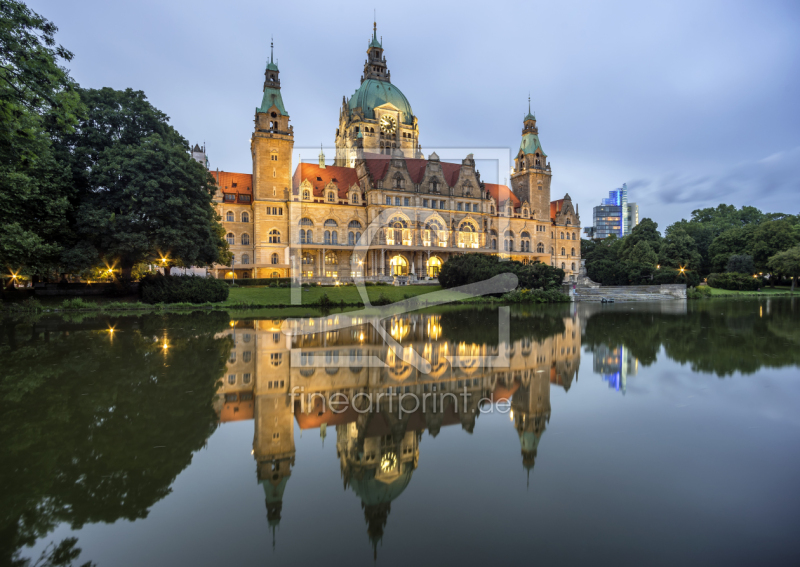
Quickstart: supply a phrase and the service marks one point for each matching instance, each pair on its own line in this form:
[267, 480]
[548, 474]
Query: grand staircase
[620, 294]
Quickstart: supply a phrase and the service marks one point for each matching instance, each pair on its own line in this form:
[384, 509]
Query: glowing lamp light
[682, 269]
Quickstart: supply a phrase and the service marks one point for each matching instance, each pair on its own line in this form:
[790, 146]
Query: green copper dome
[373, 92]
[530, 144]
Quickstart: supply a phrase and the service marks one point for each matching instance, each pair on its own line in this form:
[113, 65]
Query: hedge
[734, 281]
[279, 282]
[182, 289]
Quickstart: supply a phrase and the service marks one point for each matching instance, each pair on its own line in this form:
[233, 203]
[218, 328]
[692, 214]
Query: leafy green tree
[741, 263]
[729, 243]
[703, 235]
[786, 263]
[647, 231]
[770, 238]
[679, 250]
[37, 99]
[642, 253]
[142, 196]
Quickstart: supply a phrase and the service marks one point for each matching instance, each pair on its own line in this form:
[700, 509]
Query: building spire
[272, 45]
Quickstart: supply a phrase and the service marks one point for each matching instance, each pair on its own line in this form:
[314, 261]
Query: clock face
[388, 462]
[387, 124]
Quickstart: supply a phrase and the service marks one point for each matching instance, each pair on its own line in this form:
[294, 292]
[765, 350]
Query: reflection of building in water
[379, 449]
[235, 394]
[615, 365]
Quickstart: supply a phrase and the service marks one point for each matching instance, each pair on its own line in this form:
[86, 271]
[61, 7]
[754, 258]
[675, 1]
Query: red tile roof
[501, 192]
[555, 208]
[225, 181]
[319, 177]
[378, 165]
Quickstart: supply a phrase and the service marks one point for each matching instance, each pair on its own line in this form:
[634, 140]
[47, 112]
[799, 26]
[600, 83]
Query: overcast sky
[691, 103]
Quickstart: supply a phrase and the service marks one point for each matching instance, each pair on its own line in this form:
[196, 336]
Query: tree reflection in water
[96, 424]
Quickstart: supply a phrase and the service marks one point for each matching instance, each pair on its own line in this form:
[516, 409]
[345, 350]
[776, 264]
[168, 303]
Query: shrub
[278, 282]
[77, 303]
[734, 281]
[472, 268]
[700, 292]
[672, 276]
[182, 289]
[535, 296]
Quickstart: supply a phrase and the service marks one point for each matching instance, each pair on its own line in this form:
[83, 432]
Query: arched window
[327, 237]
[330, 223]
[302, 236]
[398, 181]
[540, 248]
[245, 239]
[494, 244]
[245, 217]
[354, 224]
[563, 265]
[351, 238]
[354, 199]
[358, 238]
[230, 238]
[305, 221]
[562, 236]
[245, 258]
[229, 216]
[573, 252]
[274, 236]
[569, 222]
[573, 236]
[573, 266]
[309, 237]
[331, 197]
[563, 252]
[330, 259]
[525, 213]
[308, 259]
[275, 258]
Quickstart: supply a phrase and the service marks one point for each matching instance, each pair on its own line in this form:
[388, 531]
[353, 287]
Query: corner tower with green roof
[530, 179]
[271, 148]
[377, 117]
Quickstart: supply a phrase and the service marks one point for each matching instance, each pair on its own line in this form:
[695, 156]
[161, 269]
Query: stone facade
[383, 210]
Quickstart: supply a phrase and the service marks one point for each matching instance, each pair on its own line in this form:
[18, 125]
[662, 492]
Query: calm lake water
[625, 434]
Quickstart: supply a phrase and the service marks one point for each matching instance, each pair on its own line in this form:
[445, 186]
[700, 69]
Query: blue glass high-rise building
[614, 215]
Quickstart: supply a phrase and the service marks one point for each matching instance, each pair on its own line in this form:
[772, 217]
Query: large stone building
[383, 209]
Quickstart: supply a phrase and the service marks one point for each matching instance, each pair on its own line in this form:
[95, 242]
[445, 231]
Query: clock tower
[378, 117]
[271, 149]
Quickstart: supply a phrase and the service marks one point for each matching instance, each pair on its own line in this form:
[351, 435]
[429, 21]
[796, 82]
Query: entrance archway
[399, 266]
[434, 266]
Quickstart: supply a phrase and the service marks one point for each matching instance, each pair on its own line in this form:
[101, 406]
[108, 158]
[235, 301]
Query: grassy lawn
[348, 294]
[764, 291]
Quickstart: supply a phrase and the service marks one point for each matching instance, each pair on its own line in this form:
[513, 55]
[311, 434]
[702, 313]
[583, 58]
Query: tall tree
[37, 98]
[679, 250]
[770, 238]
[786, 263]
[647, 231]
[142, 196]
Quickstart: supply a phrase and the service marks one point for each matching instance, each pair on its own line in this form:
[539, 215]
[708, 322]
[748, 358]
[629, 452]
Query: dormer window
[233, 184]
[306, 195]
[331, 197]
